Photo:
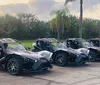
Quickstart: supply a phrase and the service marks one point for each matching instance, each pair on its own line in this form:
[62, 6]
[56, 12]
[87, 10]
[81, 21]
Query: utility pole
[81, 18]
[99, 31]
[99, 28]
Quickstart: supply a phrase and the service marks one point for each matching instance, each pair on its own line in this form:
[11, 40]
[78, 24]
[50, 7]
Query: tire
[84, 63]
[45, 69]
[93, 56]
[61, 59]
[14, 66]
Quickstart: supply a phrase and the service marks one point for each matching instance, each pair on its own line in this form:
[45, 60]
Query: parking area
[88, 74]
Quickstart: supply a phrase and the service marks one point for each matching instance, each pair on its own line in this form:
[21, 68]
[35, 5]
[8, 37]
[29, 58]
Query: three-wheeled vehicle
[95, 41]
[77, 43]
[61, 55]
[16, 59]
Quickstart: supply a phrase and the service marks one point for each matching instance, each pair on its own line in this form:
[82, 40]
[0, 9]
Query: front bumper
[41, 65]
[82, 58]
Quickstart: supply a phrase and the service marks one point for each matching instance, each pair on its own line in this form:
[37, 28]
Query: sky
[43, 8]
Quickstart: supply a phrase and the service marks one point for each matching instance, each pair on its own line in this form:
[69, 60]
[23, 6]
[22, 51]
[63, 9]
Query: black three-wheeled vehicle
[16, 59]
[95, 41]
[77, 43]
[61, 55]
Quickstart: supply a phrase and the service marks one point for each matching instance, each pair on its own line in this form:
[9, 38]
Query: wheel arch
[59, 51]
[93, 50]
[12, 56]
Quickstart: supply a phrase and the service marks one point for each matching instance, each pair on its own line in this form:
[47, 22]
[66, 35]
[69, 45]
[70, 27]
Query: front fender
[58, 51]
[12, 56]
[91, 49]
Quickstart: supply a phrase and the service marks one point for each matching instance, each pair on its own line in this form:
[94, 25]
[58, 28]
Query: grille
[43, 60]
[82, 55]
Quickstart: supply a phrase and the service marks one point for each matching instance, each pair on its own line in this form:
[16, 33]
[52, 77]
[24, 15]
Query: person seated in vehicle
[68, 44]
[46, 46]
[42, 45]
[49, 46]
[96, 43]
[73, 44]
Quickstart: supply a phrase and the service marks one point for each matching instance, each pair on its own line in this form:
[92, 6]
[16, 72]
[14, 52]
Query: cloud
[43, 8]
[87, 4]
[60, 0]
[94, 13]
[90, 9]
[7, 2]
[1, 12]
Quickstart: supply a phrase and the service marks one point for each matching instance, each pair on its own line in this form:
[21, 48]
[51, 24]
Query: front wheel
[61, 59]
[14, 66]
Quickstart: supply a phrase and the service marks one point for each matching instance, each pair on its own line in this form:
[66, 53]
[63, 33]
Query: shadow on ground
[31, 74]
[49, 72]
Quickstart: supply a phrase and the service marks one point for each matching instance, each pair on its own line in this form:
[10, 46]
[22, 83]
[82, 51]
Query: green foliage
[91, 28]
[28, 27]
[23, 26]
[60, 22]
[27, 43]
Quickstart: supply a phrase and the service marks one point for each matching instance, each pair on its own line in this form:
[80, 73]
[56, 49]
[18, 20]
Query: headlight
[85, 51]
[77, 55]
[45, 54]
[82, 55]
[30, 60]
[43, 60]
[35, 61]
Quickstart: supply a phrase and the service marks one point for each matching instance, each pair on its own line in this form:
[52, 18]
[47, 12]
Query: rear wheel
[14, 66]
[61, 59]
[93, 55]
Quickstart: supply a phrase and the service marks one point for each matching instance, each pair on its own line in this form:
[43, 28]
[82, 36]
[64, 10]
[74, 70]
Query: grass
[27, 43]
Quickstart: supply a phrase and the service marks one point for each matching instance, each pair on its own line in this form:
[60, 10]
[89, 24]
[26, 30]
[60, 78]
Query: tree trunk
[58, 34]
[62, 26]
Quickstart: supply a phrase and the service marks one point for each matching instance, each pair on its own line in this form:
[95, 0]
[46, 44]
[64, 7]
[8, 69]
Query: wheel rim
[13, 67]
[60, 60]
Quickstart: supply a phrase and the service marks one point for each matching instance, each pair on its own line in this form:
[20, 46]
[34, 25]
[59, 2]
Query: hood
[70, 50]
[74, 51]
[96, 48]
[46, 54]
[83, 50]
[26, 54]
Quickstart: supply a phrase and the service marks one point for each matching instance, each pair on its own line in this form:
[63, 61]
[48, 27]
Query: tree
[34, 28]
[73, 30]
[59, 23]
[23, 26]
[27, 26]
[90, 28]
